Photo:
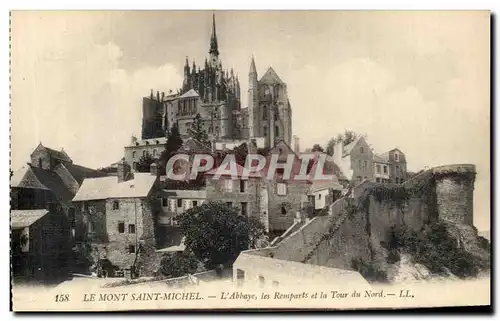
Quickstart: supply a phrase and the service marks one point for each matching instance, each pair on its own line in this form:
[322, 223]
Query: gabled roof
[190, 93]
[271, 78]
[381, 158]
[108, 187]
[348, 148]
[25, 218]
[38, 178]
[60, 155]
[321, 185]
[79, 173]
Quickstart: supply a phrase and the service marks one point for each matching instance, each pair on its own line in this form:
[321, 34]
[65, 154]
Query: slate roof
[79, 173]
[381, 158]
[38, 178]
[150, 141]
[320, 185]
[193, 145]
[190, 93]
[25, 218]
[271, 77]
[348, 148]
[60, 155]
[109, 187]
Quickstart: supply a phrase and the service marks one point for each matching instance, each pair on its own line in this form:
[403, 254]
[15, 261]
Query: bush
[436, 249]
[369, 271]
[178, 264]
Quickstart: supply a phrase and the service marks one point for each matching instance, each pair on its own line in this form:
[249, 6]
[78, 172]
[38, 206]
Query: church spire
[214, 48]
[253, 70]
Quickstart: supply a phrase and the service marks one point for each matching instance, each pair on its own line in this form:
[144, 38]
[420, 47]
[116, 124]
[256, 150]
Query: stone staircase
[338, 216]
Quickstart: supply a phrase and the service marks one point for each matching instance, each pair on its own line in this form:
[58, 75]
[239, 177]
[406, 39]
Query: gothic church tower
[269, 110]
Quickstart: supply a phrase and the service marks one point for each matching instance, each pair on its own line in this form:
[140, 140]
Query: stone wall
[358, 226]
[292, 202]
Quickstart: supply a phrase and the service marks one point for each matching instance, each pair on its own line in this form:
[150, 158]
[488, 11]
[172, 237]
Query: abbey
[215, 94]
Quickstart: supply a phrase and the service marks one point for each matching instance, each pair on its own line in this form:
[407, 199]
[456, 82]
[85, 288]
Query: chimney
[338, 150]
[162, 96]
[157, 95]
[133, 140]
[153, 169]
[123, 170]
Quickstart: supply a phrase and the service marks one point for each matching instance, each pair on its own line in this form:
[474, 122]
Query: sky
[418, 81]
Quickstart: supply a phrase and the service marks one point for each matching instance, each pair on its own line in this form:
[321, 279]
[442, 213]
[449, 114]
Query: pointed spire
[252, 66]
[214, 48]
[194, 67]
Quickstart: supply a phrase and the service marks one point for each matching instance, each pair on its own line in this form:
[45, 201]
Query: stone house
[140, 148]
[397, 165]
[115, 216]
[49, 183]
[247, 194]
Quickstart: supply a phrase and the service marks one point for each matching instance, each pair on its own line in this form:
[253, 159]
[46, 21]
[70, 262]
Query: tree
[178, 264]
[216, 233]
[197, 132]
[174, 142]
[348, 137]
[317, 148]
[144, 163]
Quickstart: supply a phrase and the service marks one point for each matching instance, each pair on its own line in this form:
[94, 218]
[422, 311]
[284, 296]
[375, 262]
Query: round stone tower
[455, 193]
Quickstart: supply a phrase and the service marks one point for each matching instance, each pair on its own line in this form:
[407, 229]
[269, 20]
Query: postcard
[243, 160]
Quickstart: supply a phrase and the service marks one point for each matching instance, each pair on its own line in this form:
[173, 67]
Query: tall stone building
[208, 90]
[269, 110]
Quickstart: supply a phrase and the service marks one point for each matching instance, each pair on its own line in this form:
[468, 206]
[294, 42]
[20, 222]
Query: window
[378, 168]
[262, 281]
[243, 186]
[179, 202]
[154, 152]
[195, 203]
[360, 164]
[283, 209]
[229, 204]
[396, 157]
[228, 185]
[131, 228]
[143, 153]
[397, 169]
[319, 196]
[366, 164]
[85, 206]
[361, 150]
[264, 130]
[244, 208]
[377, 179]
[134, 154]
[116, 205]
[277, 131]
[40, 162]
[281, 189]
[121, 227]
[385, 169]
[131, 248]
[264, 113]
[172, 205]
[164, 201]
[90, 226]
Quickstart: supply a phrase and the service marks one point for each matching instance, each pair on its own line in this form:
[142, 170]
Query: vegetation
[197, 131]
[216, 233]
[174, 142]
[317, 148]
[144, 163]
[435, 248]
[369, 271]
[348, 137]
[178, 264]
